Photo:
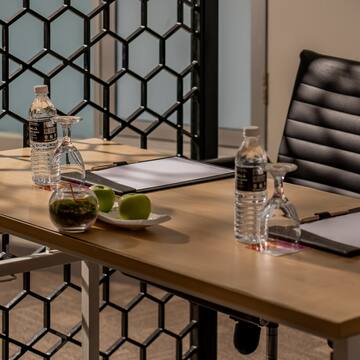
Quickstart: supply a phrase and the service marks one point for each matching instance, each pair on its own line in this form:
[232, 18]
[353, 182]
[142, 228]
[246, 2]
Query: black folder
[320, 243]
[316, 241]
[212, 172]
[92, 179]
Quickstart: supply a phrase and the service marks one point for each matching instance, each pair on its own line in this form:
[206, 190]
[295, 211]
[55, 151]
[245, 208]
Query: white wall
[328, 26]
[234, 63]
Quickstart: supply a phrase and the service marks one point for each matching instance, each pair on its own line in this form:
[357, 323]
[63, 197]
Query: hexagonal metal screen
[155, 80]
[165, 74]
[137, 321]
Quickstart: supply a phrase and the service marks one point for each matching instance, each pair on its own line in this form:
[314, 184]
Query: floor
[26, 318]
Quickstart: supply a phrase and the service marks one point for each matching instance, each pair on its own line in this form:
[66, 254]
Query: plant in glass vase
[73, 208]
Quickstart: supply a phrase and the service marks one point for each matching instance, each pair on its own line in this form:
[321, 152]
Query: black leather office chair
[322, 136]
[227, 162]
[322, 131]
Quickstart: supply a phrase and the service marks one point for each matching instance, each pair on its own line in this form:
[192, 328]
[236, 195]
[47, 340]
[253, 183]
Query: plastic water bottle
[43, 136]
[250, 187]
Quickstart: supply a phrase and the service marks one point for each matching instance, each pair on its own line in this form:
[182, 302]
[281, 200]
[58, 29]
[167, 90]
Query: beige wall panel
[328, 26]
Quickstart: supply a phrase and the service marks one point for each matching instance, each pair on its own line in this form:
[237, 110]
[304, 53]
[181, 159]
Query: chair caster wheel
[246, 337]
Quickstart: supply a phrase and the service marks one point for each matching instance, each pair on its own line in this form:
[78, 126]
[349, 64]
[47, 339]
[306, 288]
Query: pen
[108, 166]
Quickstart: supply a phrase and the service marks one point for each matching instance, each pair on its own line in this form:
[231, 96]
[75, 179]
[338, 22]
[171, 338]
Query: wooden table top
[196, 252]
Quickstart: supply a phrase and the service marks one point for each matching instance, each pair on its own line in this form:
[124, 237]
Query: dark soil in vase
[72, 213]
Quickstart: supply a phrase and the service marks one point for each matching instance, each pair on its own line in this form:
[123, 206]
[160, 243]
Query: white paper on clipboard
[344, 229]
[162, 173]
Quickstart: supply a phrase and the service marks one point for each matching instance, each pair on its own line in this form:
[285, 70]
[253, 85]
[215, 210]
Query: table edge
[209, 292]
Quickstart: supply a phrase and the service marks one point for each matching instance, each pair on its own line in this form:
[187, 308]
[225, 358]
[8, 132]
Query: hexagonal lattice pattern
[139, 323]
[163, 83]
[150, 305]
[155, 54]
[44, 331]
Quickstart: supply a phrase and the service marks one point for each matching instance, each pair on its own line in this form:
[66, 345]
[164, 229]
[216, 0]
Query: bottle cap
[251, 131]
[41, 89]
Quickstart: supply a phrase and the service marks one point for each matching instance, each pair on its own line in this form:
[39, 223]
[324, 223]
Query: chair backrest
[322, 131]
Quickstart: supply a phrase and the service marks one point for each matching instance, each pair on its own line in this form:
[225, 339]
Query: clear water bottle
[250, 187]
[43, 136]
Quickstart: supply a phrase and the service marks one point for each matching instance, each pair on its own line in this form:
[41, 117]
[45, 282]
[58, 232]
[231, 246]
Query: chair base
[247, 336]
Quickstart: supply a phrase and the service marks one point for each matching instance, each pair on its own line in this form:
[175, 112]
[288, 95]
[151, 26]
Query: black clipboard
[321, 243]
[92, 178]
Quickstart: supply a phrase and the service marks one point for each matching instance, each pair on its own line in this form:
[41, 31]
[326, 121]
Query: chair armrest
[227, 162]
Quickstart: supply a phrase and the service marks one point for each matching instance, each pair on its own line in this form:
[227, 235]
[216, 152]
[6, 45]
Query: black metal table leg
[205, 338]
[5, 243]
[272, 341]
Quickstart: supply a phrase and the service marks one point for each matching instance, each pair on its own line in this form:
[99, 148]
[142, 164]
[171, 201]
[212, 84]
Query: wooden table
[195, 253]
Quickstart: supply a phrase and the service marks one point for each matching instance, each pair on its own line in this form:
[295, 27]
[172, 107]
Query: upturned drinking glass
[67, 158]
[279, 216]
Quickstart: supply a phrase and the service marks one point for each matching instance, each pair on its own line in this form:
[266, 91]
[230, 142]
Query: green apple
[105, 195]
[134, 207]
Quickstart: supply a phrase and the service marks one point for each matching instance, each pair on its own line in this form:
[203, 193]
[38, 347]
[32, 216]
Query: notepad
[163, 173]
[344, 229]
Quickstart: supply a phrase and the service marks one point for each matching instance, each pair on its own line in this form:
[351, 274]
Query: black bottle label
[250, 178]
[43, 131]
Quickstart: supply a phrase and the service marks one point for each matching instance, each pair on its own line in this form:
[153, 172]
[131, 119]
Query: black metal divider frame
[203, 69]
[203, 135]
